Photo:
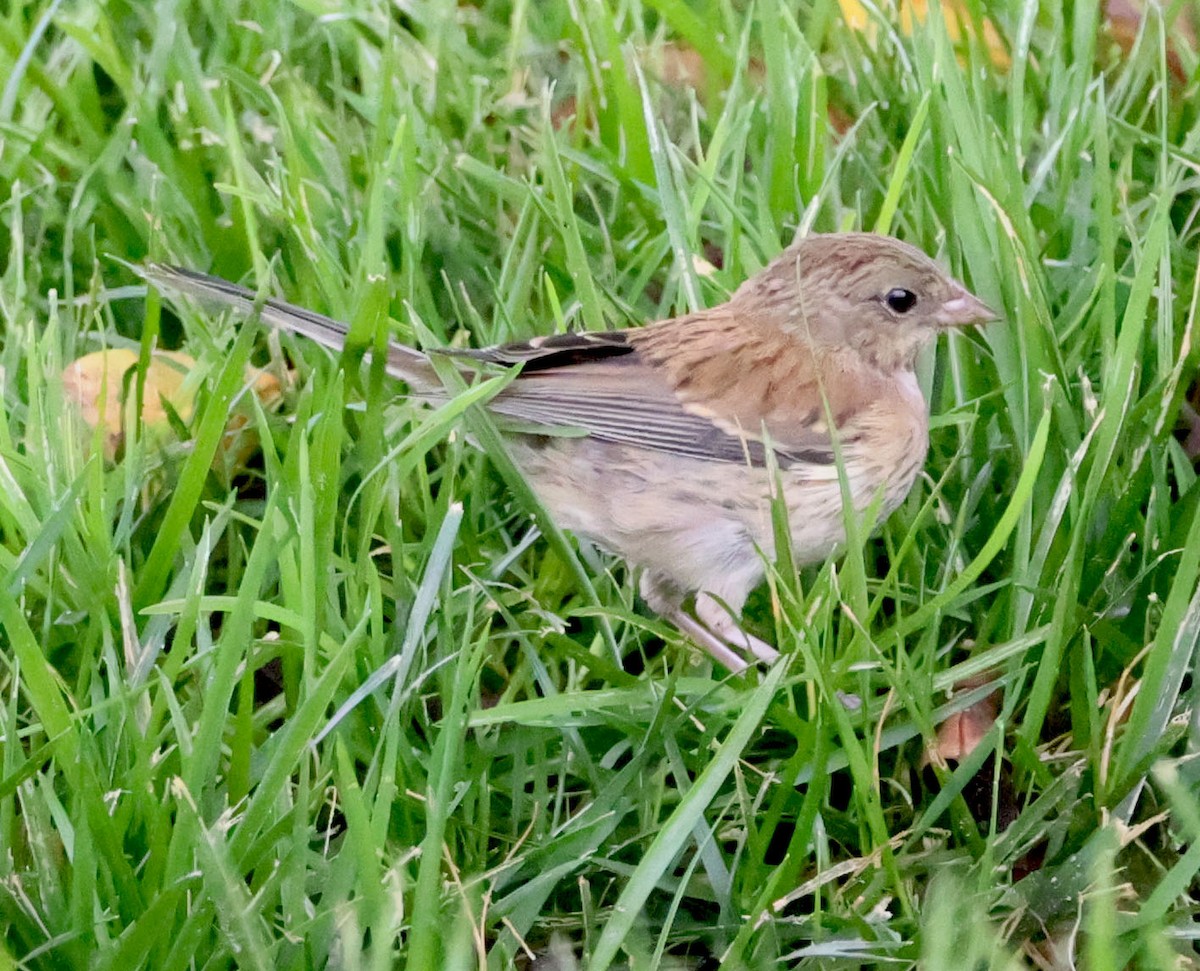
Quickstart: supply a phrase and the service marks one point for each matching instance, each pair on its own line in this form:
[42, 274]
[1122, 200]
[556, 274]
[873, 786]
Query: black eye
[901, 300]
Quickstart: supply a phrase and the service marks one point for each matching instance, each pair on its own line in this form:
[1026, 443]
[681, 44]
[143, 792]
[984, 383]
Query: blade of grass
[677, 829]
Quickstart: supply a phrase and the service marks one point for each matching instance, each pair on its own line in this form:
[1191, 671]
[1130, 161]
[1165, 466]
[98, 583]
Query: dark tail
[403, 362]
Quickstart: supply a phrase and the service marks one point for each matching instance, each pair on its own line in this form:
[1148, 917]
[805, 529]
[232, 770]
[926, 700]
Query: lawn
[333, 692]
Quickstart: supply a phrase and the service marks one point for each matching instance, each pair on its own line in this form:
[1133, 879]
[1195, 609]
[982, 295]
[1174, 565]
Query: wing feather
[602, 386]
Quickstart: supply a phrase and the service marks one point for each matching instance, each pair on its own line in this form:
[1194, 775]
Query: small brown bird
[652, 441]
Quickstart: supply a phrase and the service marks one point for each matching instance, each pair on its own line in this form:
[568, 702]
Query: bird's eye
[900, 300]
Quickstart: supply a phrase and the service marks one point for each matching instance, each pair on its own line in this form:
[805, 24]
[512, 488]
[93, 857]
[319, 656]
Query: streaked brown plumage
[655, 437]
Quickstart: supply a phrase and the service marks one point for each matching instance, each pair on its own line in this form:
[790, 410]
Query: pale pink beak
[964, 309]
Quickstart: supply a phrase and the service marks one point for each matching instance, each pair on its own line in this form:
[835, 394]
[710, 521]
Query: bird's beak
[964, 309]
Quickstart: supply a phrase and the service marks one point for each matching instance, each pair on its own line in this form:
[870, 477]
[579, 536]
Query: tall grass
[361, 705]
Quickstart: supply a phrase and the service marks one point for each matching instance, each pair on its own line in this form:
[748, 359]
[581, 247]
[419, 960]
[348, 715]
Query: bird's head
[872, 293]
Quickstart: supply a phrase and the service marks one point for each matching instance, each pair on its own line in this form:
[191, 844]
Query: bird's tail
[405, 363]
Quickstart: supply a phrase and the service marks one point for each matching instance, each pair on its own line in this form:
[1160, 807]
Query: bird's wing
[551, 351]
[614, 386]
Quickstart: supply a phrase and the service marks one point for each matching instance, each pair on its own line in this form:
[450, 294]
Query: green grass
[352, 708]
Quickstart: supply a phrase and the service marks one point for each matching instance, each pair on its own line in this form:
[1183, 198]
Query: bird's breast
[889, 451]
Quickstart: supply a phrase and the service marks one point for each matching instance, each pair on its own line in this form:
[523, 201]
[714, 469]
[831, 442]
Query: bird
[663, 443]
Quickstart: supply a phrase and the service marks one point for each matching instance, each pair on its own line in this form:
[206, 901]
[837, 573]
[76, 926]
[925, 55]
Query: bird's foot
[713, 615]
[714, 628]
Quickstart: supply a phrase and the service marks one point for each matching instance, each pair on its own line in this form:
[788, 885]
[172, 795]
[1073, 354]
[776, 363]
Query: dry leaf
[960, 734]
[1191, 423]
[680, 66]
[101, 387]
[1123, 20]
[959, 25]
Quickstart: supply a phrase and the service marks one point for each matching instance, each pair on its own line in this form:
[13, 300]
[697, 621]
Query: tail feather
[403, 362]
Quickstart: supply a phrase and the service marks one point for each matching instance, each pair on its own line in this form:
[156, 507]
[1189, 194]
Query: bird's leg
[720, 621]
[666, 600]
[717, 633]
[717, 649]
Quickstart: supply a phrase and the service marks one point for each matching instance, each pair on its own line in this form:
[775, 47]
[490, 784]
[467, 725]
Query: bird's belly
[685, 518]
[690, 519]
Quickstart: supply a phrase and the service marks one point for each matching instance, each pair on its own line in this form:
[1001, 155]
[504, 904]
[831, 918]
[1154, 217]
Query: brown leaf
[1123, 21]
[957, 17]
[101, 387]
[1190, 418]
[960, 734]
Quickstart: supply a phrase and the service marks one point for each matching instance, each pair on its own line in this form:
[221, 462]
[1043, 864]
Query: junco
[652, 441]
